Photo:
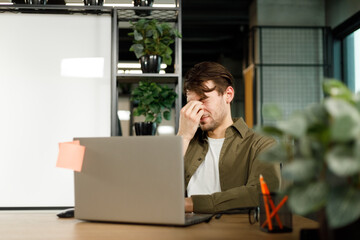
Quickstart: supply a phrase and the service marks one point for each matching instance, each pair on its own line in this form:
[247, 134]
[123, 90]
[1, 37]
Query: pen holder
[274, 207]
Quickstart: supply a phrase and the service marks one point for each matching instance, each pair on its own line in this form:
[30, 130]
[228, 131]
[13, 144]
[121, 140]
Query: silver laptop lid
[131, 179]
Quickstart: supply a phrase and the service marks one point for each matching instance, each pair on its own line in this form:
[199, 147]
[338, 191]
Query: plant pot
[150, 63]
[143, 3]
[145, 128]
[93, 2]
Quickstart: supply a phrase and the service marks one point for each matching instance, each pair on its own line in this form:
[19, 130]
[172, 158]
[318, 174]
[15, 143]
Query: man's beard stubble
[209, 127]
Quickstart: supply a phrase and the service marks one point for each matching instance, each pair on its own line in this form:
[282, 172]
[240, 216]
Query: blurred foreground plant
[320, 149]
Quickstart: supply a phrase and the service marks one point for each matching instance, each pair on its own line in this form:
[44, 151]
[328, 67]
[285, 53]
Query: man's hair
[202, 72]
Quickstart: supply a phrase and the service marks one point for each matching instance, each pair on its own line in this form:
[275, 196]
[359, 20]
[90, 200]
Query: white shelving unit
[173, 15]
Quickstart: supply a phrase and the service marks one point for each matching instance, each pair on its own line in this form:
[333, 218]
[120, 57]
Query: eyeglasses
[254, 215]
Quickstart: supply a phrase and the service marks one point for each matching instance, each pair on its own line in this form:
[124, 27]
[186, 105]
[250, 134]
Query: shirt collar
[239, 126]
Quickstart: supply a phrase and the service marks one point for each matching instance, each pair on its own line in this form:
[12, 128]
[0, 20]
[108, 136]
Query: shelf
[126, 14]
[153, 77]
[55, 9]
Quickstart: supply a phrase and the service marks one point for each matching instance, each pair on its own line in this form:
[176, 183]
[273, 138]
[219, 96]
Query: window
[357, 59]
[351, 58]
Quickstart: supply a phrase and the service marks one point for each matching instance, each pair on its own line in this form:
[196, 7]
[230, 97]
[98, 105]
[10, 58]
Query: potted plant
[320, 149]
[143, 3]
[154, 102]
[151, 43]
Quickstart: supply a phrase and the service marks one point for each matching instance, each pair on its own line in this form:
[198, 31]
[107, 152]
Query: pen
[272, 205]
[263, 190]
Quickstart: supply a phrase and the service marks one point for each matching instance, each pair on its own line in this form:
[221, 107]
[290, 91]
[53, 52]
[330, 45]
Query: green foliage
[320, 149]
[154, 101]
[153, 38]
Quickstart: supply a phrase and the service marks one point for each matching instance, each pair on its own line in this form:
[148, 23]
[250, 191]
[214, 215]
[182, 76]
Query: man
[221, 156]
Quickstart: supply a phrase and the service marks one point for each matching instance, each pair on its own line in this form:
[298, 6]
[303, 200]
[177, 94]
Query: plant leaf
[137, 36]
[167, 115]
[342, 162]
[152, 100]
[337, 89]
[271, 112]
[308, 198]
[158, 119]
[155, 37]
[344, 128]
[357, 101]
[315, 114]
[343, 206]
[300, 170]
[346, 119]
[268, 130]
[138, 50]
[149, 118]
[276, 153]
[294, 126]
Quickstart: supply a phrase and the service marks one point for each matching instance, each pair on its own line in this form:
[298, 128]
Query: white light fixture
[118, 5]
[74, 4]
[132, 5]
[124, 115]
[82, 67]
[164, 5]
[136, 72]
[135, 68]
[134, 65]
[114, 5]
[166, 130]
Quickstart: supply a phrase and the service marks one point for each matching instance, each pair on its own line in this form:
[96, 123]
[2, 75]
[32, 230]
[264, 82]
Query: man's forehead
[195, 95]
[191, 95]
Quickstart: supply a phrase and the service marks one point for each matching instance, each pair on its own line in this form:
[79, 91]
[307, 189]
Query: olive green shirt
[239, 169]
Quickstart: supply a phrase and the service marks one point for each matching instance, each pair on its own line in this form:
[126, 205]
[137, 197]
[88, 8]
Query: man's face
[214, 106]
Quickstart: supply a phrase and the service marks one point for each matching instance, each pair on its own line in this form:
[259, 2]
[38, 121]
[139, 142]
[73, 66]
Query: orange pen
[263, 190]
[272, 205]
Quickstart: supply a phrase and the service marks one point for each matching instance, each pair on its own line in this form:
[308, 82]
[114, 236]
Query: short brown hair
[205, 71]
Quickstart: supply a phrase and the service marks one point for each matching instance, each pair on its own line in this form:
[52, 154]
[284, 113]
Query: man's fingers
[190, 116]
[190, 106]
[199, 115]
[195, 111]
[191, 109]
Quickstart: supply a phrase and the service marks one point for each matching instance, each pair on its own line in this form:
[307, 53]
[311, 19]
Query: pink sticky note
[71, 155]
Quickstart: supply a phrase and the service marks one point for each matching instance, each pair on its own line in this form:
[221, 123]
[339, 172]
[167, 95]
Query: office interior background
[293, 45]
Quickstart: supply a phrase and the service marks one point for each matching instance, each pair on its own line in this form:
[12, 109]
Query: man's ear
[229, 94]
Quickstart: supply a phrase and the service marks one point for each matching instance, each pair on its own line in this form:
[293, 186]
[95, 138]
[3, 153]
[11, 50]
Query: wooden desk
[45, 225]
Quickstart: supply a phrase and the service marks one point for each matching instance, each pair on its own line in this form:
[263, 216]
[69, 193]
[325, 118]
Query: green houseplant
[154, 102]
[153, 38]
[320, 149]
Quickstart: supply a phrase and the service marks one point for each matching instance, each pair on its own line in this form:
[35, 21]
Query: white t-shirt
[206, 178]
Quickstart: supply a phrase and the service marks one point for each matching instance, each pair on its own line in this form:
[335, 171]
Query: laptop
[133, 180]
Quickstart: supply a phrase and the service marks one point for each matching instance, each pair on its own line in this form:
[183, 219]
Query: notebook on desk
[133, 180]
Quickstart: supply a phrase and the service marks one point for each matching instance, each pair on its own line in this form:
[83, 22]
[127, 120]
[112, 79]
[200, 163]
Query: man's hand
[189, 206]
[190, 116]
